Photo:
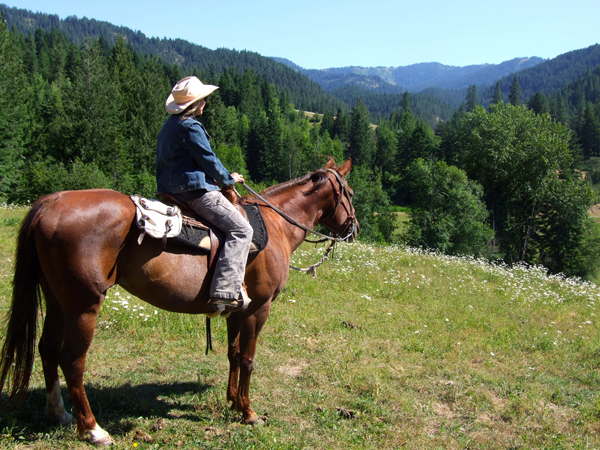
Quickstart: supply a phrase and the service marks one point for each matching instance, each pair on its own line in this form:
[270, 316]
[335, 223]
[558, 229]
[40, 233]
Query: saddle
[174, 222]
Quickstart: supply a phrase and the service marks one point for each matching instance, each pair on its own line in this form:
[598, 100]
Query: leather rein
[338, 196]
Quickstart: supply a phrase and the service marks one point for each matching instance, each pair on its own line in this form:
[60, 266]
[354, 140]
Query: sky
[339, 33]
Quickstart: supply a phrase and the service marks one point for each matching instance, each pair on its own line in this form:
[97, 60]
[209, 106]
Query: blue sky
[321, 34]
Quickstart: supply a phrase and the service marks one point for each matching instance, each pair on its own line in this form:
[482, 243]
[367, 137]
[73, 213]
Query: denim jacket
[184, 159]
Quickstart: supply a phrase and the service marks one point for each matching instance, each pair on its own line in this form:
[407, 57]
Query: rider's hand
[237, 178]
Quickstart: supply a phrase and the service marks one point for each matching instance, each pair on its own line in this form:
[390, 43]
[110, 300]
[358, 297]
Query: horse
[75, 245]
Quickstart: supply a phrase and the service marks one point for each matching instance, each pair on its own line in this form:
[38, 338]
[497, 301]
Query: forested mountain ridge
[299, 89]
[417, 77]
[302, 92]
[551, 75]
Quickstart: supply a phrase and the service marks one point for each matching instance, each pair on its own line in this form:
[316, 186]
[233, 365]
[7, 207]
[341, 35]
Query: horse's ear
[345, 168]
[330, 163]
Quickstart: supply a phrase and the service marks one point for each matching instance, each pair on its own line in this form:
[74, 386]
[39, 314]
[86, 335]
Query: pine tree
[360, 147]
[497, 97]
[406, 108]
[538, 103]
[589, 132]
[515, 96]
[471, 99]
[328, 123]
[558, 110]
[341, 126]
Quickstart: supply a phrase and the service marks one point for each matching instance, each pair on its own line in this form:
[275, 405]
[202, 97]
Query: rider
[188, 169]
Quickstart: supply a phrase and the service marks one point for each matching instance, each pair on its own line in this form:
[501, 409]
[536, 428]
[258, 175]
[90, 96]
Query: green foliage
[15, 96]
[593, 169]
[41, 179]
[539, 103]
[515, 97]
[369, 200]
[232, 157]
[521, 159]
[424, 106]
[361, 146]
[447, 211]
[568, 240]
[471, 100]
[497, 97]
[298, 88]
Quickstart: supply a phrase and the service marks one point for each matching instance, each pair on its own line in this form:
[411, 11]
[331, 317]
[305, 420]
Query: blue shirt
[184, 159]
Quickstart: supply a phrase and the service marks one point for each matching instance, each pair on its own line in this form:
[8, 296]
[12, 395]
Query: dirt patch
[293, 370]
[444, 411]
[595, 210]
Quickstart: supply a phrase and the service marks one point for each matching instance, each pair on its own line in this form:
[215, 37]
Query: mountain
[416, 77]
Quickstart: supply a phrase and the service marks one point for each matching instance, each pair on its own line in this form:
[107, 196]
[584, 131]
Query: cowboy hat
[186, 92]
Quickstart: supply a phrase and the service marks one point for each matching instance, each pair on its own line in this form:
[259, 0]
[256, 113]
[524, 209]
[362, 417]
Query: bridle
[338, 197]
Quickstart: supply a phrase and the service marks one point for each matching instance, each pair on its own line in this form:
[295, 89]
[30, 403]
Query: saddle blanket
[167, 222]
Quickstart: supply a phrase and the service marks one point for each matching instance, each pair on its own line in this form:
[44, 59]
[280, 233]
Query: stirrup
[226, 304]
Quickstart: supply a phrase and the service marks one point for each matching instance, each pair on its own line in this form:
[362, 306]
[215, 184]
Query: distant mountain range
[416, 77]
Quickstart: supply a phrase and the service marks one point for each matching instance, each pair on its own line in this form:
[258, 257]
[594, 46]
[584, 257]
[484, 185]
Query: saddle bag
[156, 219]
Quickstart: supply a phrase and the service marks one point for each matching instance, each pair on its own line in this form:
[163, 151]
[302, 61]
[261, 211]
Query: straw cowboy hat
[186, 92]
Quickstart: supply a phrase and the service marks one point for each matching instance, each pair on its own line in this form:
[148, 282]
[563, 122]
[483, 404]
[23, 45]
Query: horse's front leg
[250, 329]
[233, 353]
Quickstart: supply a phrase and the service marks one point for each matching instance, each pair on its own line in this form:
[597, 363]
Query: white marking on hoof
[55, 408]
[99, 437]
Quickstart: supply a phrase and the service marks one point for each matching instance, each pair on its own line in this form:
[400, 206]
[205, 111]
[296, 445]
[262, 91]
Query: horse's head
[339, 215]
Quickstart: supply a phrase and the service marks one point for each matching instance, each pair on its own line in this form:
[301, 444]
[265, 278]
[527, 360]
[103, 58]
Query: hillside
[302, 92]
[552, 75]
[387, 348]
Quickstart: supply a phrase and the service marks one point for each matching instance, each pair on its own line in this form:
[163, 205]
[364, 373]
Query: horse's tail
[18, 351]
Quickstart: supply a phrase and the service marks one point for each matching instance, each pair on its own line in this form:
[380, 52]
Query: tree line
[301, 91]
[79, 116]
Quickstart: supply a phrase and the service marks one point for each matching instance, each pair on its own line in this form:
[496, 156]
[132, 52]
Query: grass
[386, 348]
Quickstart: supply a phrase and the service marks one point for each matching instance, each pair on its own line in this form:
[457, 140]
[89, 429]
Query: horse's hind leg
[79, 331]
[50, 347]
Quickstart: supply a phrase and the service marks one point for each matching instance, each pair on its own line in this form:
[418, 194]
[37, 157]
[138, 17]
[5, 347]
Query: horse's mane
[272, 190]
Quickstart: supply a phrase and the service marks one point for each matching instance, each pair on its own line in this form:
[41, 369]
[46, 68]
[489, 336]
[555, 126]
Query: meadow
[386, 348]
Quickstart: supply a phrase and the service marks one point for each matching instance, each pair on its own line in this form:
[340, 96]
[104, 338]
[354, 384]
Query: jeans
[231, 264]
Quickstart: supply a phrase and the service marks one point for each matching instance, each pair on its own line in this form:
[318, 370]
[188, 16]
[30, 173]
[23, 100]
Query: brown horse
[75, 245]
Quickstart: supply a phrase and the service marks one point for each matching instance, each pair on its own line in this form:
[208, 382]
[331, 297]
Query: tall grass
[386, 348]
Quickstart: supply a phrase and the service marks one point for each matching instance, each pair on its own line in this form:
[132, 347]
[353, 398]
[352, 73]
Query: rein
[338, 198]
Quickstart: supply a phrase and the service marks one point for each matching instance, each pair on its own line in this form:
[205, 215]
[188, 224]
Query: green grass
[398, 209]
[386, 348]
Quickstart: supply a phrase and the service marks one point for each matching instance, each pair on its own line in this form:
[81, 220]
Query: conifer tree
[471, 99]
[341, 126]
[360, 147]
[328, 123]
[406, 108]
[589, 132]
[497, 97]
[538, 103]
[515, 96]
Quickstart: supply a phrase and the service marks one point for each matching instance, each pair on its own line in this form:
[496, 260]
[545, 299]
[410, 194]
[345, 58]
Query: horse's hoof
[99, 437]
